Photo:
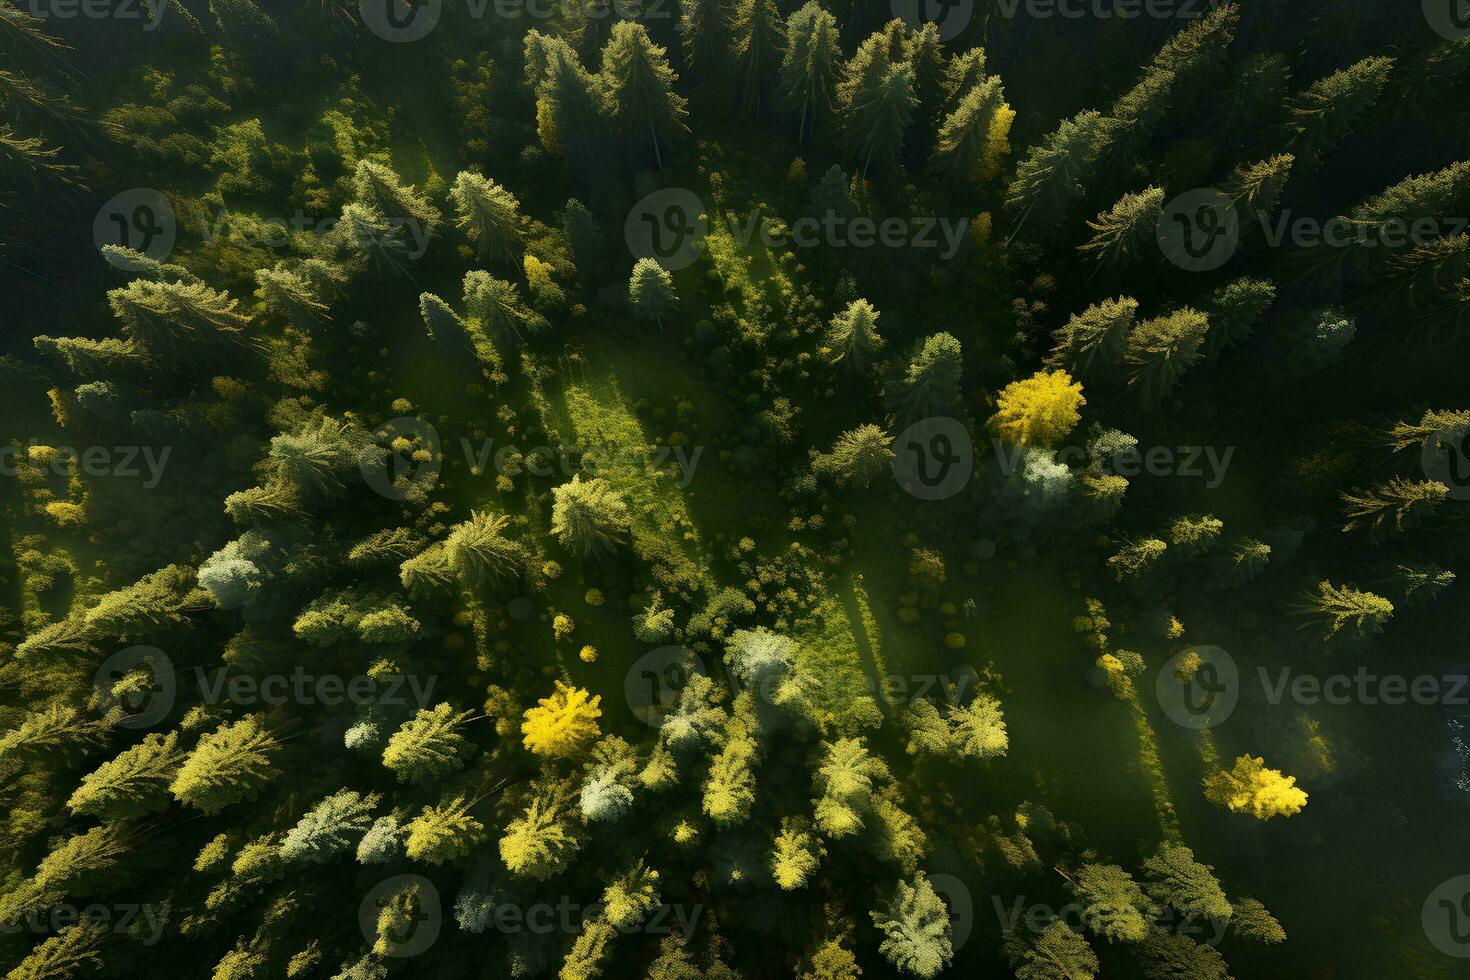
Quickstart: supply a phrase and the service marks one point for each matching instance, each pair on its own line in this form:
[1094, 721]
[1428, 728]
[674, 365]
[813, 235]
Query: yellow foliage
[564, 724]
[1039, 411]
[1251, 787]
[997, 142]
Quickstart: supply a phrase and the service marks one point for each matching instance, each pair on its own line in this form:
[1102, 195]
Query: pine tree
[1092, 343]
[758, 37]
[810, 67]
[1253, 921]
[325, 832]
[537, 844]
[495, 306]
[729, 791]
[1170, 956]
[931, 385]
[1057, 953]
[846, 780]
[1255, 188]
[488, 213]
[859, 458]
[74, 951]
[1319, 118]
[1333, 607]
[1251, 787]
[1194, 534]
[629, 898]
[1234, 311]
[427, 746]
[569, 104]
[916, 930]
[133, 784]
[446, 328]
[1161, 350]
[377, 186]
[706, 40]
[1393, 507]
[1134, 558]
[852, 336]
[1055, 172]
[589, 516]
[1176, 879]
[443, 833]
[480, 553]
[1113, 906]
[796, 855]
[973, 137]
[179, 321]
[1137, 116]
[651, 291]
[638, 90]
[1247, 559]
[227, 766]
[1122, 230]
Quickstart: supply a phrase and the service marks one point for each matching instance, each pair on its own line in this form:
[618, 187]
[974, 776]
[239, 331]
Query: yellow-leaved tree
[1252, 788]
[563, 724]
[1039, 411]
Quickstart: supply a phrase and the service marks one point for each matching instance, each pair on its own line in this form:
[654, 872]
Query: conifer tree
[1055, 172]
[1319, 118]
[488, 213]
[427, 746]
[134, 783]
[758, 38]
[479, 551]
[706, 40]
[1123, 230]
[1393, 507]
[809, 67]
[443, 833]
[229, 765]
[638, 89]
[1194, 534]
[931, 385]
[852, 337]
[327, 830]
[589, 516]
[1161, 350]
[1113, 906]
[796, 856]
[1092, 343]
[972, 139]
[651, 291]
[1057, 953]
[859, 458]
[538, 844]
[1176, 879]
[1331, 608]
[916, 930]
